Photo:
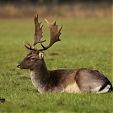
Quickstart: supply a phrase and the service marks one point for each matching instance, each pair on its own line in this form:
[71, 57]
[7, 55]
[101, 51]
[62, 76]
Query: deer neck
[39, 76]
[40, 69]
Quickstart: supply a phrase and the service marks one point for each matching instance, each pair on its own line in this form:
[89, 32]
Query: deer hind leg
[105, 88]
[92, 81]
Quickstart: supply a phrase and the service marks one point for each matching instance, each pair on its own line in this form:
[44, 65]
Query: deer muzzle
[18, 66]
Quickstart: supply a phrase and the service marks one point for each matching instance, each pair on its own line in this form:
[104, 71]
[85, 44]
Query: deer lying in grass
[71, 80]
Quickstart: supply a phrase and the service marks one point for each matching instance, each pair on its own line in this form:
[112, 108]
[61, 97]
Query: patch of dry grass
[78, 10]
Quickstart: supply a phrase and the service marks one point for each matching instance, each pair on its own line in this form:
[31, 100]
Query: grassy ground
[85, 43]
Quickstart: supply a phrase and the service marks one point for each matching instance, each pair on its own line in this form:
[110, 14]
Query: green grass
[85, 43]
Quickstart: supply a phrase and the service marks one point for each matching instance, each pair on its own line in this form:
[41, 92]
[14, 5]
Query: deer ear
[41, 55]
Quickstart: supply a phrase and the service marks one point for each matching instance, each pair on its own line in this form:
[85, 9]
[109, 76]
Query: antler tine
[29, 46]
[38, 31]
[47, 21]
[54, 34]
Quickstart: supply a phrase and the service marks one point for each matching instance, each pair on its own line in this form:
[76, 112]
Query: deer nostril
[18, 65]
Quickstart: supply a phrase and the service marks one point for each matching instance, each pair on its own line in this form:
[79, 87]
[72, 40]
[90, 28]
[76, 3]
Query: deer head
[35, 56]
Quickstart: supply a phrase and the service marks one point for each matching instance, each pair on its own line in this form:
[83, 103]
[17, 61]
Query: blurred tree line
[53, 1]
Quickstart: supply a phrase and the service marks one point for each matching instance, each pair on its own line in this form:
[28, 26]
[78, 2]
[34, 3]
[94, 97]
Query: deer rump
[71, 80]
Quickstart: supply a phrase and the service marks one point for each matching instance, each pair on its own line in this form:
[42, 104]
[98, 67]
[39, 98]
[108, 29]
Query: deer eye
[32, 58]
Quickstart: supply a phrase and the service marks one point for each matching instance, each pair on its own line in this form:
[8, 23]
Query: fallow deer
[62, 80]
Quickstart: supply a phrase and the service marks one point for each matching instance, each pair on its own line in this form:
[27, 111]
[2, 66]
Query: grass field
[85, 43]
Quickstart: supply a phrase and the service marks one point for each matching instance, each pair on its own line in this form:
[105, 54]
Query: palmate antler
[38, 31]
[37, 35]
[54, 35]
